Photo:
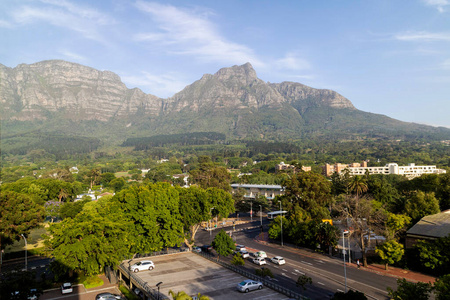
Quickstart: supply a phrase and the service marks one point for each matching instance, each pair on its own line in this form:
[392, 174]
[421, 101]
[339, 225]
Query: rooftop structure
[429, 228]
[253, 190]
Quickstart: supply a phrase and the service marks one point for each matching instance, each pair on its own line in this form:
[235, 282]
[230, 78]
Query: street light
[260, 214]
[158, 284]
[281, 225]
[210, 212]
[343, 251]
[26, 262]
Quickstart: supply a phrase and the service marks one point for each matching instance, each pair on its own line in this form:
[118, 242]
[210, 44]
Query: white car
[66, 288]
[142, 265]
[259, 261]
[240, 248]
[245, 254]
[278, 260]
[261, 254]
[197, 249]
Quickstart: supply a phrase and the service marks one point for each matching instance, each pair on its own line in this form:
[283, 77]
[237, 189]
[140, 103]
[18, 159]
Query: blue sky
[387, 57]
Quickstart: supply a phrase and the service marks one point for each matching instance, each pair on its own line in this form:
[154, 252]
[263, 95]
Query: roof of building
[259, 186]
[436, 226]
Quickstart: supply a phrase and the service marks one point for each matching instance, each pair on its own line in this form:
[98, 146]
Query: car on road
[278, 260]
[108, 296]
[142, 265]
[240, 248]
[66, 288]
[245, 254]
[259, 261]
[249, 285]
[196, 249]
[206, 248]
[261, 254]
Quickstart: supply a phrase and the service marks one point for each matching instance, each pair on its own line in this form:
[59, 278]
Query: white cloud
[73, 56]
[423, 36]
[191, 31]
[446, 64]
[438, 4]
[64, 14]
[292, 61]
[5, 24]
[161, 85]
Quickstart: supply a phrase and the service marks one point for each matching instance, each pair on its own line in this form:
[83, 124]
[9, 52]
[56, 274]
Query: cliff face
[27, 92]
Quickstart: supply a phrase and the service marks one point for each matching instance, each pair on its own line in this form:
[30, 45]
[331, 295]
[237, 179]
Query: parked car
[249, 285]
[66, 288]
[206, 248]
[142, 265]
[278, 260]
[261, 254]
[240, 248]
[196, 249]
[108, 296]
[259, 261]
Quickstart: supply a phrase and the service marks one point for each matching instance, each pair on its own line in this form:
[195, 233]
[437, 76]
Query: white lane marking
[284, 274]
[320, 261]
[42, 266]
[307, 263]
[340, 290]
[285, 270]
[320, 283]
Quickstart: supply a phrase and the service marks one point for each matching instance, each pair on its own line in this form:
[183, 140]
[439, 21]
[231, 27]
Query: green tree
[442, 287]
[238, 260]
[18, 215]
[358, 185]
[95, 238]
[223, 244]
[17, 285]
[433, 255]
[421, 204]
[71, 209]
[390, 252]
[396, 224]
[303, 281]
[209, 175]
[409, 290]
[264, 272]
[117, 184]
[326, 235]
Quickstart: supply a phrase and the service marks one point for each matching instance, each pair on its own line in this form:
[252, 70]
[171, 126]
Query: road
[327, 273]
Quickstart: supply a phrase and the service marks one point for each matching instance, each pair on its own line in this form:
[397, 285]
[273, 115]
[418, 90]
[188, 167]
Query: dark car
[206, 248]
[107, 296]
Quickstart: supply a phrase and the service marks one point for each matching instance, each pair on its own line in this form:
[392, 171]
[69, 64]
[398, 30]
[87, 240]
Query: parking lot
[194, 274]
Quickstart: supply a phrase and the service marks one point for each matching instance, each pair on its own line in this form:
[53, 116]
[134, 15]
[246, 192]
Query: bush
[127, 293]
[237, 260]
[264, 272]
[93, 281]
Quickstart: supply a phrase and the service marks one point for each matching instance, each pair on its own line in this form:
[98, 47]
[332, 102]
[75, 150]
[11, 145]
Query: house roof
[259, 186]
[435, 226]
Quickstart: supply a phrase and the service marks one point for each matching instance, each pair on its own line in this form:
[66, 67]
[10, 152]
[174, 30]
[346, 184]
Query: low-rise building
[253, 190]
[429, 228]
[282, 166]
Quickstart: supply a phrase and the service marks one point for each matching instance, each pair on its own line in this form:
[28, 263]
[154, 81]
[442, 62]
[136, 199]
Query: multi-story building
[252, 190]
[410, 171]
[282, 166]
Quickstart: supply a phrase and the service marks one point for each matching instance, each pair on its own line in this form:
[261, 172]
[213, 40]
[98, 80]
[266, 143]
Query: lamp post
[158, 284]
[210, 212]
[260, 215]
[343, 251]
[281, 225]
[26, 262]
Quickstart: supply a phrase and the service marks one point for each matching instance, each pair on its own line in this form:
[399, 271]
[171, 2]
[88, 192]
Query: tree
[18, 285]
[409, 290]
[358, 185]
[396, 225]
[18, 215]
[350, 295]
[390, 252]
[52, 209]
[302, 281]
[209, 175]
[363, 216]
[326, 235]
[117, 184]
[223, 244]
[433, 255]
[95, 238]
[421, 204]
[238, 260]
[264, 272]
[442, 287]
[181, 295]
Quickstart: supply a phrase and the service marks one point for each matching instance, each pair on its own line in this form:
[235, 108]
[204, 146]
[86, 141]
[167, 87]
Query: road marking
[320, 261]
[33, 268]
[293, 273]
[285, 270]
[340, 290]
[284, 274]
[42, 266]
[320, 283]
[307, 263]
[299, 272]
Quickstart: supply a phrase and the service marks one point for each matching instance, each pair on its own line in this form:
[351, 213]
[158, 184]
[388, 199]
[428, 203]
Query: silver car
[259, 261]
[249, 285]
[278, 260]
[107, 296]
[142, 265]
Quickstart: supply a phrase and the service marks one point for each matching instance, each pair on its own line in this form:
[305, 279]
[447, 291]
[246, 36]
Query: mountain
[60, 98]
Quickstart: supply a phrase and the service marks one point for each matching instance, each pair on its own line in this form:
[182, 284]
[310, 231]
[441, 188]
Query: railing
[252, 276]
[142, 285]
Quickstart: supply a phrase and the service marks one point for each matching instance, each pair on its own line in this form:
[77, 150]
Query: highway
[327, 273]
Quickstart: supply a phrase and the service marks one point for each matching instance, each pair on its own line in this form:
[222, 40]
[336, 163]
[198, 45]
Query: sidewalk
[375, 268]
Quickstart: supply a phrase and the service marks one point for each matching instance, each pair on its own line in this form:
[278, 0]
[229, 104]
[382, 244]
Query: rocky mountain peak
[245, 74]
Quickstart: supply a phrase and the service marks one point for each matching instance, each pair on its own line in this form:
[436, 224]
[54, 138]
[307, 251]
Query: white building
[410, 171]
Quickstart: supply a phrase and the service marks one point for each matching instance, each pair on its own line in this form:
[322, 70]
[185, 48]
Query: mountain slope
[63, 98]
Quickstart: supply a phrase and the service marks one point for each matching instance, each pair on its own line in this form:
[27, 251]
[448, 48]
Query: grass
[92, 282]
[127, 293]
[34, 241]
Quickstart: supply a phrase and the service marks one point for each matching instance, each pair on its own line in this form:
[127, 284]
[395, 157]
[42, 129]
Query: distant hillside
[58, 98]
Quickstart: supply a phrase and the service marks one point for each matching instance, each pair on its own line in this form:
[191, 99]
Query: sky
[387, 57]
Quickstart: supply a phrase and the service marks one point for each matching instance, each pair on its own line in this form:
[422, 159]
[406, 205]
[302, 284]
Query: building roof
[435, 226]
[259, 186]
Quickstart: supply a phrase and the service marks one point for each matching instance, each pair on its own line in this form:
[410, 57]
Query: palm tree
[62, 194]
[358, 184]
[183, 296]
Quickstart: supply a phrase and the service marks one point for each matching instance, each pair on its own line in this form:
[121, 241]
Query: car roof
[278, 257]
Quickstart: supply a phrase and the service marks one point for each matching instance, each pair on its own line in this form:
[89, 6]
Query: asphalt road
[327, 273]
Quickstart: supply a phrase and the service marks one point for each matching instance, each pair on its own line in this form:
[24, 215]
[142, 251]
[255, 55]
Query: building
[410, 171]
[429, 228]
[282, 166]
[253, 190]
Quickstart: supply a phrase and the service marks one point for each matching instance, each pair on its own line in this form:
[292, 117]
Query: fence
[142, 285]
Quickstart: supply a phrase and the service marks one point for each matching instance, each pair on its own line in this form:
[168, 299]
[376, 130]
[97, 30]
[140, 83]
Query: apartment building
[410, 171]
[282, 166]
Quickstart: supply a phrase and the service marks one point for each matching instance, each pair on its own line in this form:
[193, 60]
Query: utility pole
[26, 262]
[343, 251]
[260, 214]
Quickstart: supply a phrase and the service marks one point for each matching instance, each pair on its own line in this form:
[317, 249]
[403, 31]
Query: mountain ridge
[55, 94]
